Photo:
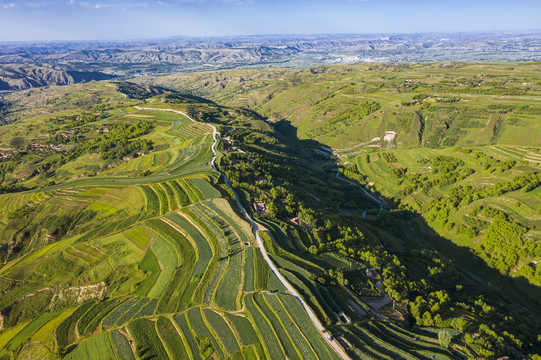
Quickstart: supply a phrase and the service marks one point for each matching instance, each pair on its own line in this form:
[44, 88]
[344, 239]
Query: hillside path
[363, 189]
[255, 228]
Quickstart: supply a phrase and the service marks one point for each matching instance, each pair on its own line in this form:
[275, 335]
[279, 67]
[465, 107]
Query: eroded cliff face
[22, 77]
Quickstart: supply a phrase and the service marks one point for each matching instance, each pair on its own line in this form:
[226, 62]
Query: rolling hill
[127, 220]
[25, 77]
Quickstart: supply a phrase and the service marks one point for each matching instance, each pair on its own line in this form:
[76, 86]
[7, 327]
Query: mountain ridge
[26, 77]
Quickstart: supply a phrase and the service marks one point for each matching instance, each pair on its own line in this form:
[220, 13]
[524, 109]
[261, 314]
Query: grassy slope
[100, 253]
[174, 139]
[310, 98]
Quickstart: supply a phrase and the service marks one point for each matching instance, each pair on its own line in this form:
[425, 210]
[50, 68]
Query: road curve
[363, 189]
[255, 228]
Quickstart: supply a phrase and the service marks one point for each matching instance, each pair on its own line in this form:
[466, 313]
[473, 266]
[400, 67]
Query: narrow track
[255, 228]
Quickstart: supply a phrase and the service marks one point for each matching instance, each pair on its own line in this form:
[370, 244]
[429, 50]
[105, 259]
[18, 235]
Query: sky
[43, 20]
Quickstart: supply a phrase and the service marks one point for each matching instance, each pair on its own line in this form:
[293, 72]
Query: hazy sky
[138, 19]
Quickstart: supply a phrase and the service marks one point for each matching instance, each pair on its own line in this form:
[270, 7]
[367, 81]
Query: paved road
[255, 226]
[363, 189]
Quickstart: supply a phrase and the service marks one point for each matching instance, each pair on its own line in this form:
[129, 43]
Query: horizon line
[179, 37]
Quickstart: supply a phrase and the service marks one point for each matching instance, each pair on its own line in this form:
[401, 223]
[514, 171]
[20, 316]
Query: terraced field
[156, 263]
[164, 267]
[382, 169]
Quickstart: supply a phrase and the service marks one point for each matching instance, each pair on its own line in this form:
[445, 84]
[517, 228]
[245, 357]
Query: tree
[460, 324]
[272, 210]
[444, 337]
[313, 250]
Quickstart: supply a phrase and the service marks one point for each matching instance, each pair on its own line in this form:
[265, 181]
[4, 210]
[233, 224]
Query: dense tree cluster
[350, 171]
[449, 170]
[503, 243]
[463, 195]
[114, 144]
[430, 284]
[491, 164]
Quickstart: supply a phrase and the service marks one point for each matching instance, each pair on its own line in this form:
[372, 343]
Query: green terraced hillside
[123, 237]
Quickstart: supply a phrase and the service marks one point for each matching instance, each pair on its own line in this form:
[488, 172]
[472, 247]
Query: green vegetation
[65, 333]
[95, 347]
[171, 338]
[222, 329]
[150, 265]
[120, 241]
[122, 345]
[147, 342]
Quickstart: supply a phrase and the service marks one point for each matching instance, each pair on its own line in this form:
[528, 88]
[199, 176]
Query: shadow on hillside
[304, 164]
[482, 279]
[316, 168]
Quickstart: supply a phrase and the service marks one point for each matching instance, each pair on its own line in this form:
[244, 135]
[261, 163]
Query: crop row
[168, 259]
[86, 320]
[149, 264]
[300, 279]
[193, 192]
[223, 331]
[226, 294]
[65, 332]
[300, 317]
[199, 326]
[183, 156]
[184, 326]
[147, 343]
[211, 237]
[122, 346]
[220, 229]
[117, 313]
[380, 345]
[179, 280]
[204, 250]
[171, 338]
[272, 343]
[181, 196]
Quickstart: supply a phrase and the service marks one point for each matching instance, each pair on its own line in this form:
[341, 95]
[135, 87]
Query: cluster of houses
[47, 146]
[260, 207]
[67, 134]
[228, 146]
[42, 147]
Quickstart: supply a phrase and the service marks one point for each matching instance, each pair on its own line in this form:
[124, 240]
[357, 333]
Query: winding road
[255, 228]
[363, 189]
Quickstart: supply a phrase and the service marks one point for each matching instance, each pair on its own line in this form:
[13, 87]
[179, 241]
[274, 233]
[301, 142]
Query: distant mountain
[176, 54]
[25, 77]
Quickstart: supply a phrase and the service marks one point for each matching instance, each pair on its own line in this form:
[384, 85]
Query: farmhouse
[372, 274]
[260, 180]
[231, 148]
[260, 207]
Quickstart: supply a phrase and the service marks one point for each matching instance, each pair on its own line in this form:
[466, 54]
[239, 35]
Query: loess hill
[119, 240]
[434, 138]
